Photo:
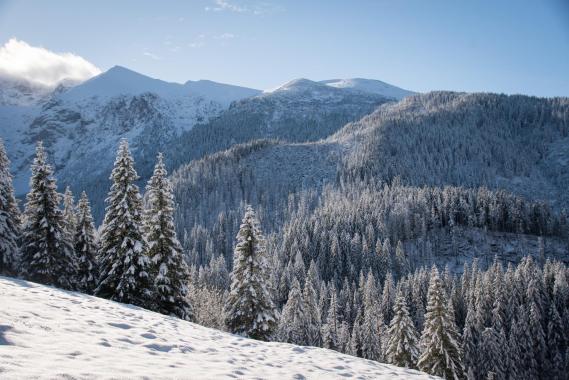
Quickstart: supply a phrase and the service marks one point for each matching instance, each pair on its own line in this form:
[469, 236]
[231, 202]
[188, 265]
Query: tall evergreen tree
[123, 262]
[69, 213]
[249, 308]
[168, 267]
[312, 316]
[441, 354]
[492, 360]
[402, 347]
[292, 322]
[47, 253]
[471, 342]
[9, 218]
[554, 366]
[86, 247]
[331, 327]
[372, 327]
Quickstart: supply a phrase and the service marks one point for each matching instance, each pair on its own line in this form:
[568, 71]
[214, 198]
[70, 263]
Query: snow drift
[51, 333]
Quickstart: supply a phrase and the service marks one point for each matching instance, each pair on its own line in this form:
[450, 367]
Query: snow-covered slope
[50, 333]
[369, 85]
[19, 92]
[298, 111]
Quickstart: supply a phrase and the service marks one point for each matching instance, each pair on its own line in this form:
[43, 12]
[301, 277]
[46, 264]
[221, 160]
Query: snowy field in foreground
[50, 333]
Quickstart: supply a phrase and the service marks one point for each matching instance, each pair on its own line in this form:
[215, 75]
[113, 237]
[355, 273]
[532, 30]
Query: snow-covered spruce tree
[47, 253]
[471, 342]
[402, 347]
[249, 308]
[332, 325]
[291, 324]
[69, 213]
[169, 270]
[123, 262]
[372, 327]
[554, 364]
[9, 218]
[312, 316]
[441, 355]
[86, 247]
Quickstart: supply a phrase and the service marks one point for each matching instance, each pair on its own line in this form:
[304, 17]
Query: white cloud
[225, 5]
[152, 56]
[254, 7]
[39, 65]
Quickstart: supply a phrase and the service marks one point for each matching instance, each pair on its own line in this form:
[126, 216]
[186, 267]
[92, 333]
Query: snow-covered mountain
[298, 111]
[120, 81]
[81, 125]
[516, 144]
[20, 92]
[369, 85]
[50, 333]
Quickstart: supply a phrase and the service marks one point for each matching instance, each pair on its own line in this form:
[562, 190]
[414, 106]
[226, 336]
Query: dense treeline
[501, 323]
[357, 228]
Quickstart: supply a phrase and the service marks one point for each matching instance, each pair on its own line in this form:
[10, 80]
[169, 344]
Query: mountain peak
[297, 85]
[373, 86]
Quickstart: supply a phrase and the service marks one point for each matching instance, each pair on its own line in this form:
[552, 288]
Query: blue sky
[500, 46]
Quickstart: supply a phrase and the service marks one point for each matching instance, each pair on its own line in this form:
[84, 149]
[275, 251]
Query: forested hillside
[515, 146]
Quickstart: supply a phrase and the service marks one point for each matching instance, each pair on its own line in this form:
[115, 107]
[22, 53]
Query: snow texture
[51, 333]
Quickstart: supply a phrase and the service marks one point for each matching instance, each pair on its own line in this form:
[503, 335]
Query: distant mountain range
[81, 123]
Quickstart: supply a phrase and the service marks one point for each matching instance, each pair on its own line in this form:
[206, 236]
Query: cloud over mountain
[20, 60]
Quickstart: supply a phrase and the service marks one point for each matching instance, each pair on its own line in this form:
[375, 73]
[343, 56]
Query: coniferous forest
[291, 190]
[354, 270]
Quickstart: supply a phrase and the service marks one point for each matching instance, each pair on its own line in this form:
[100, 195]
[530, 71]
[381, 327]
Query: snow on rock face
[369, 85]
[81, 124]
[50, 333]
[19, 92]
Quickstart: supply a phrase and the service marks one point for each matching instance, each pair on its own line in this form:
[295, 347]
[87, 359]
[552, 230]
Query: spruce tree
[249, 308]
[492, 360]
[441, 354]
[312, 316]
[372, 326]
[86, 247]
[69, 213]
[356, 338]
[402, 347]
[554, 366]
[471, 342]
[123, 262]
[168, 267]
[332, 325]
[9, 218]
[47, 253]
[292, 322]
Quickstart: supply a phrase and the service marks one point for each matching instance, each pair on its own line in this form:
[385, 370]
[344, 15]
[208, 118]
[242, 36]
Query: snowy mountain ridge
[86, 120]
[81, 123]
[41, 325]
[332, 87]
[119, 81]
[369, 85]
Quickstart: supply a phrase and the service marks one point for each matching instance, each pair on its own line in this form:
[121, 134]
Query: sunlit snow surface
[50, 333]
